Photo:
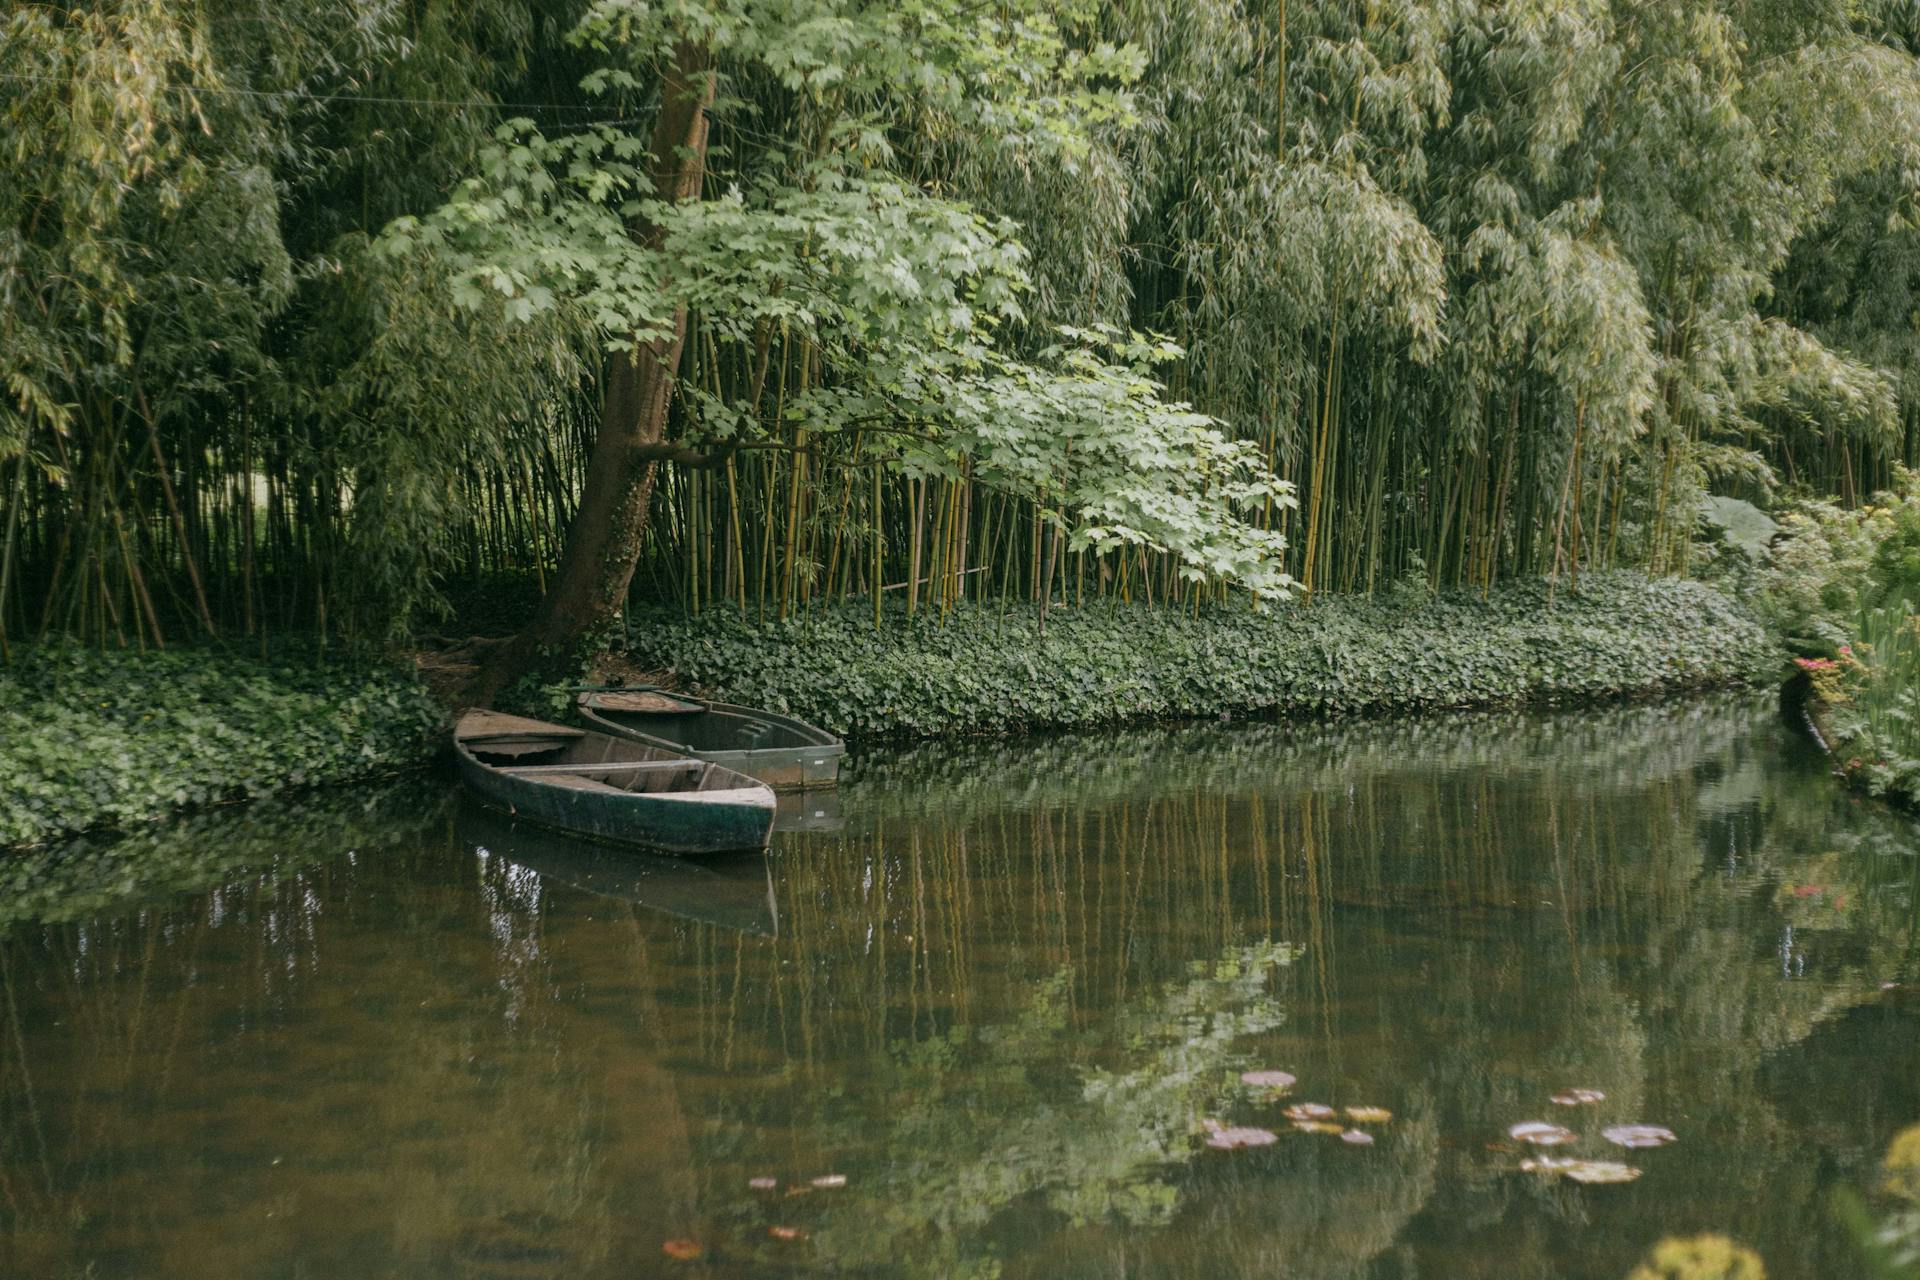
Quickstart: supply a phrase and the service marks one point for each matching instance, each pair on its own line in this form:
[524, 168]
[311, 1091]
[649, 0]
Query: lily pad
[763, 1183]
[1541, 1134]
[1267, 1079]
[787, 1233]
[1355, 1137]
[1369, 1115]
[682, 1249]
[1578, 1097]
[1232, 1139]
[1308, 1111]
[828, 1181]
[1602, 1172]
[1317, 1126]
[1593, 1172]
[1638, 1135]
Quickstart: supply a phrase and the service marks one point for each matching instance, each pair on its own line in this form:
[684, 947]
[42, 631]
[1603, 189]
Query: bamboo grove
[308, 309]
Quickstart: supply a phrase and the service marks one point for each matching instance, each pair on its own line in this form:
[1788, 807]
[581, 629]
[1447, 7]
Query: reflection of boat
[733, 893]
[814, 810]
[611, 788]
[785, 753]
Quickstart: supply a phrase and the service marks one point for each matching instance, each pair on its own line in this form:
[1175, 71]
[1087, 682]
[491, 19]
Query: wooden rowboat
[785, 753]
[609, 788]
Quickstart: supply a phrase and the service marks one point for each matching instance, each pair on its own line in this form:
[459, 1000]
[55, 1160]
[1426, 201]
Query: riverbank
[1859, 758]
[91, 739]
[983, 671]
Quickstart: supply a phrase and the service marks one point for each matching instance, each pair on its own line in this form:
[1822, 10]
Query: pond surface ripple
[994, 1023]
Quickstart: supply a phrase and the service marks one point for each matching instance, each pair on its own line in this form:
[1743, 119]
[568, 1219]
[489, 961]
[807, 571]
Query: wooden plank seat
[611, 766]
[574, 782]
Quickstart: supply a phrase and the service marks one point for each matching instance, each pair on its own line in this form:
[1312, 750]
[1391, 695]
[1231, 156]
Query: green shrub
[982, 671]
[1868, 699]
[90, 739]
[1831, 562]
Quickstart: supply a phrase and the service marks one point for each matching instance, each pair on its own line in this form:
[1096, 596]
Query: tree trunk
[604, 542]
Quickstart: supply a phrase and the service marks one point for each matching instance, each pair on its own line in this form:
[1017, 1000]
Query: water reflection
[732, 892]
[1000, 1001]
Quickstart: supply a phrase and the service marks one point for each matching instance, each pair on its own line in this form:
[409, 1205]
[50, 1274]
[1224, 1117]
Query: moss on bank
[91, 739]
[984, 671]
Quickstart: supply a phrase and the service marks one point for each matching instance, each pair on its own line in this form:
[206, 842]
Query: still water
[391, 1036]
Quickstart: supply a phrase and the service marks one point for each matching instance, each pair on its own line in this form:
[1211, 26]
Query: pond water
[389, 1035]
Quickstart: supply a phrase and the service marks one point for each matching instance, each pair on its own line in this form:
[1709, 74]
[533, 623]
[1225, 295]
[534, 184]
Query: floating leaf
[1232, 1139]
[1316, 1126]
[827, 1181]
[1595, 1172]
[787, 1233]
[1541, 1134]
[1357, 1138]
[1578, 1097]
[1369, 1115]
[682, 1249]
[1308, 1111]
[1638, 1135]
[1267, 1079]
[763, 1184]
[1602, 1172]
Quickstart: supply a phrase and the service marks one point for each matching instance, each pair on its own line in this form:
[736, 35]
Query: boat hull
[697, 808]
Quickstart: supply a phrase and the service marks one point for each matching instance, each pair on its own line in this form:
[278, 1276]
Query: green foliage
[897, 297]
[90, 739]
[1869, 700]
[1743, 526]
[198, 355]
[1618, 635]
[1832, 561]
[320, 295]
[1704, 1257]
[1889, 1241]
[1895, 573]
[1843, 589]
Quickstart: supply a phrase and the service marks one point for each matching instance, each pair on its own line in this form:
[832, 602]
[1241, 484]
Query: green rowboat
[785, 753]
[610, 788]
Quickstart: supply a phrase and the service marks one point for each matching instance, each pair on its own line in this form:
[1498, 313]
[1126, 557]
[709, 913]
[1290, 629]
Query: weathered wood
[781, 751]
[619, 766]
[481, 722]
[696, 808]
[646, 700]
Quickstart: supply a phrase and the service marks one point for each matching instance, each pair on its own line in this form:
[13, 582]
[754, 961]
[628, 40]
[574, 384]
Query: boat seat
[575, 782]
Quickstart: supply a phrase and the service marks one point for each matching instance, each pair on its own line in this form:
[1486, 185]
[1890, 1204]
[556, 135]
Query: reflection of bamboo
[26, 1076]
[1561, 852]
[1319, 953]
[648, 1091]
